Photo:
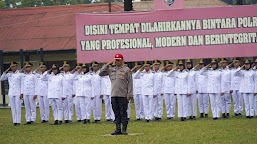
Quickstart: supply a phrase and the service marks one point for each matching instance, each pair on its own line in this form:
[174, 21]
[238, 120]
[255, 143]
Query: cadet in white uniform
[28, 86]
[68, 91]
[41, 92]
[225, 88]
[138, 98]
[213, 87]
[158, 93]
[147, 89]
[14, 80]
[106, 92]
[55, 92]
[203, 96]
[247, 87]
[181, 89]
[97, 101]
[84, 92]
[234, 89]
[169, 91]
[192, 101]
[76, 99]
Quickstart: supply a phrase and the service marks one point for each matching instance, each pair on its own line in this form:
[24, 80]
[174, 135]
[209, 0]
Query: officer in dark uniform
[121, 91]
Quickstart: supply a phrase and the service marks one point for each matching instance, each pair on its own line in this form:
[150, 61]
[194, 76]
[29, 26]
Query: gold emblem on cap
[41, 63]
[213, 60]
[247, 61]
[11, 62]
[256, 60]
[26, 63]
[84, 64]
[167, 62]
[136, 64]
[180, 62]
[145, 62]
[188, 60]
[93, 62]
[78, 64]
[53, 65]
[64, 62]
[201, 61]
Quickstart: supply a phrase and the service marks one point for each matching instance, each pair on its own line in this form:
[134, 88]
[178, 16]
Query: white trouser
[44, 107]
[215, 104]
[15, 103]
[82, 106]
[249, 100]
[68, 107]
[97, 107]
[88, 103]
[138, 100]
[57, 108]
[158, 106]
[170, 103]
[77, 108]
[182, 105]
[128, 110]
[226, 103]
[192, 105]
[147, 100]
[109, 114]
[203, 101]
[238, 102]
[30, 106]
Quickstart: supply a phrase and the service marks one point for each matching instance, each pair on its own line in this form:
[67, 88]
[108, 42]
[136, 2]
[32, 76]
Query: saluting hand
[196, 66]
[188, 94]
[49, 70]
[21, 96]
[92, 98]
[109, 63]
[63, 98]
[101, 96]
[208, 65]
[73, 95]
[6, 71]
[255, 94]
[222, 94]
[154, 96]
[35, 97]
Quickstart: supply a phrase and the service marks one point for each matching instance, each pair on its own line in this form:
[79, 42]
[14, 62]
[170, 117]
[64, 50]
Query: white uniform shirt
[235, 80]
[147, 82]
[97, 80]
[158, 82]
[84, 85]
[169, 82]
[28, 84]
[225, 80]
[192, 81]
[14, 80]
[55, 85]
[181, 82]
[136, 85]
[68, 83]
[201, 82]
[41, 86]
[214, 80]
[247, 81]
[106, 86]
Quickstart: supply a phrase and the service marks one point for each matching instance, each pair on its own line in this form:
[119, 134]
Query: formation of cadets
[183, 85]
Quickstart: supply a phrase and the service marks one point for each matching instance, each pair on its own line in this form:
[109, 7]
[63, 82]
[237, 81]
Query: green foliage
[2, 5]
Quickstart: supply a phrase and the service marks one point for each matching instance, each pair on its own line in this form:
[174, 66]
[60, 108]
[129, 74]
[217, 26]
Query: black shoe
[108, 120]
[55, 122]
[117, 131]
[194, 118]
[70, 121]
[88, 121]
[181, 119]
[85, 121]
[185, 119]
[124, 129]
[96, 121]
[158, 119]
[236, 114]
[60, 122]
[78, 120]
[201, 115]
[66, 121]
[147, 121]
[43, 121]
[128, 119]
[247, 117]
[190, 118]
[137, 119]
[239, 114]
[215, 118]
[17, 124]
[251, 117]
[223, 115]
[206, 115]
[227, 115]
[32, 122]
[27, 123]
[14, 124]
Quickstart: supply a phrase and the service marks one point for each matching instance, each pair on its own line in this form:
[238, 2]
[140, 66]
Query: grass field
[233, 130]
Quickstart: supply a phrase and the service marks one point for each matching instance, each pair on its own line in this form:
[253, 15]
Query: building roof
[50, 28]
